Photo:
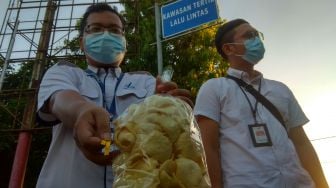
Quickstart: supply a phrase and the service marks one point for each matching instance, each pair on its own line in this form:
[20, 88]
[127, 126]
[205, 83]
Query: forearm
[311, 163]
[66, 105]
[308, 156]
[210, 137]
[214, 168]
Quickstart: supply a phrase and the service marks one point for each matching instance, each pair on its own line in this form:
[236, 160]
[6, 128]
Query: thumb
[158, 83]
[158, 80]
[103, 126]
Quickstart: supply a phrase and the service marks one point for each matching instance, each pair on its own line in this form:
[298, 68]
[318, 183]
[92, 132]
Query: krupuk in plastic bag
[160, 146]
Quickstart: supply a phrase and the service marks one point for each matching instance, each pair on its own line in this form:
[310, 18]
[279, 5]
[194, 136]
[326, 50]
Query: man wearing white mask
[251, 126]
[81, 104]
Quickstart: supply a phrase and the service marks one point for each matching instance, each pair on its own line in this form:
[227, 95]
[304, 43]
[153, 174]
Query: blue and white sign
[183, 15]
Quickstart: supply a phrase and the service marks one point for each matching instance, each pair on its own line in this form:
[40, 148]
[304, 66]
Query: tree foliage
[11, 115]
[193, 56]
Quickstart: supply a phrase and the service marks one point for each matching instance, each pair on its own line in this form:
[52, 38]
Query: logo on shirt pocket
[129, 86]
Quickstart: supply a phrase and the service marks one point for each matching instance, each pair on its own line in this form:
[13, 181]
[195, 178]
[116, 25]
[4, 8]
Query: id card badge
[260, 135]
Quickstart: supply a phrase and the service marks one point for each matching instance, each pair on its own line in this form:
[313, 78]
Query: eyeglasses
[252, 34]
[97, 28]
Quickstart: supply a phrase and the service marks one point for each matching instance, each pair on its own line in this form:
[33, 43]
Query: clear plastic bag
[160, 146]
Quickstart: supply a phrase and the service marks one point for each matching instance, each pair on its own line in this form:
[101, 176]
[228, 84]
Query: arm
[210, 137]
[308, 156]
[90, 123]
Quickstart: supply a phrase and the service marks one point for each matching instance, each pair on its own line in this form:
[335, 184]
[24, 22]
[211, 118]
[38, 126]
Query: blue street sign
[183, 15]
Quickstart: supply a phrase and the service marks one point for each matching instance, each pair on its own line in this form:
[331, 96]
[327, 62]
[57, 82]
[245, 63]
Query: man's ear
[81, 43]
[227, 49]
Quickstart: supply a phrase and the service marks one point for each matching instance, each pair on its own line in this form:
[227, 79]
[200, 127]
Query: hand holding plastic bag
[160, 146]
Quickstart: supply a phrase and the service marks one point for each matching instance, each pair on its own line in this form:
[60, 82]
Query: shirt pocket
[129, 93]
[126, 97]
[90, 91]
[91, 94]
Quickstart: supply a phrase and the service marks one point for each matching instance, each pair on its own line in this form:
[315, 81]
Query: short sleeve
[208, 100]
[296, 116]
[58, 77]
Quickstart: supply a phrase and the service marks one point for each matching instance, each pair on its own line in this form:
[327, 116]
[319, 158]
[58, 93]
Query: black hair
[225, 34]
[94, 8]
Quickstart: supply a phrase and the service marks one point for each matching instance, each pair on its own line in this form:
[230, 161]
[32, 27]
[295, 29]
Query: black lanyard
[255, 109]
[262, 99]
[112, 110]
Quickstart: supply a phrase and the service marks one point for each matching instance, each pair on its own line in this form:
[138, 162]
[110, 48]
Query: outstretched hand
[91, 127]
[172, 89]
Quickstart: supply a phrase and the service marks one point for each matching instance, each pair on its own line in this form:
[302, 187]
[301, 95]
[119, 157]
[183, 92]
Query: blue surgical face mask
[254, 50]
[106, 48]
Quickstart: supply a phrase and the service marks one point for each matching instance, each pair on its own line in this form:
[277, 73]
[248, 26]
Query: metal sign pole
[158, 37]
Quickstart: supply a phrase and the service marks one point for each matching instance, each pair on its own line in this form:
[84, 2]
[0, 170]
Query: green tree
[11, 115]
[193, 56]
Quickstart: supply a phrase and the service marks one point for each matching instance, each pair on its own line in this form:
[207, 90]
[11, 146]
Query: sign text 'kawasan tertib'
[183, 15]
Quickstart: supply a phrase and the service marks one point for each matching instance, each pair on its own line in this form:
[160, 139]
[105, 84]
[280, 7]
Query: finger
[85, 138]
[187, 100]
[92, 144]
[180, 92]
[92, 149]
[158, 80]
[164, 87]
[102, 121]
[99, 158]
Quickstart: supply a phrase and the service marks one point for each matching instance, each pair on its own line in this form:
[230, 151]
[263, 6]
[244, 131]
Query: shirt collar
[101, 71]
[245, 76]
